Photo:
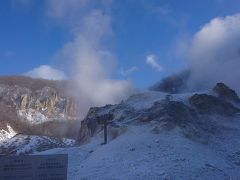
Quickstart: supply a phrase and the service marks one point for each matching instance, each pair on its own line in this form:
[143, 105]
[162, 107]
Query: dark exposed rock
[85, 132]
[93, 123]
[225, 93]
[172, 84]
[208, 104]
[169, 111]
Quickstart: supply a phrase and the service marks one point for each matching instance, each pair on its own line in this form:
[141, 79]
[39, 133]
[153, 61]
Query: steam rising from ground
[91, 61]
[215, 54]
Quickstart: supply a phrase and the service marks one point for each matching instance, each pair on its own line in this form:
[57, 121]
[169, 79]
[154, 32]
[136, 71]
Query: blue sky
[31, 36]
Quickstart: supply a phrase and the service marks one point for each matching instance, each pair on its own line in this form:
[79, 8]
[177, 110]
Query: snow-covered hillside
[153, 135]
[140, 153]
[156, 136]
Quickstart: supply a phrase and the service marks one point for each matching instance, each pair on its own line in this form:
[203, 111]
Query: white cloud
[214, 54]
[128, 71]
[46, 72]
[152, 61]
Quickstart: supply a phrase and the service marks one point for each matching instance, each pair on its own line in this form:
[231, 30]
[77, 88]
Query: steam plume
[91, 60]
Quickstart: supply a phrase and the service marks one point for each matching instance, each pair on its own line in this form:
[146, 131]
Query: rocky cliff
[31, 106]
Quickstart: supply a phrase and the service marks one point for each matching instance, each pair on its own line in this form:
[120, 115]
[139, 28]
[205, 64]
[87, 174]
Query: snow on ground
[141, 154]
[7, 134]
[146, 99]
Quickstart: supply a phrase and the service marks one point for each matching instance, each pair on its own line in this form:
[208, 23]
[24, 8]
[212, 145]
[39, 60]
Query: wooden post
[105, 132]
[104, 120]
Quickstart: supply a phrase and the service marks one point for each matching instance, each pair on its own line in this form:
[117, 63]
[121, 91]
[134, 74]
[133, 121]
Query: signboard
[34, 167]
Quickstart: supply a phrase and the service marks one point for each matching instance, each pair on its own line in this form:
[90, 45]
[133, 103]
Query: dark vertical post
[105, 131]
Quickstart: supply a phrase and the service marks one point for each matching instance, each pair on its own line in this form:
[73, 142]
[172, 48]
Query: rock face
[36, 115]
[27, 105]
[174, 112]
[93, 123]
[225, 93]
[208, 104]
[172, 84]
[191, 114]
[6, 133]
[45, 101]
[170, 113]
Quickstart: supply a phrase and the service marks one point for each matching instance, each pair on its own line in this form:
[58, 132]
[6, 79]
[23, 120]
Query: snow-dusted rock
[187, 111]
[6, 134]
[27, 144]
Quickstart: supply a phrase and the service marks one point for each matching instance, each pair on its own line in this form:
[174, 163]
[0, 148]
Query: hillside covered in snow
[151, 135]
[154, 135]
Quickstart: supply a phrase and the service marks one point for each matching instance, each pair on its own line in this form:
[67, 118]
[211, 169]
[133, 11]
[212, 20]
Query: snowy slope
[156, 136]
[141, 154]
[194, 145]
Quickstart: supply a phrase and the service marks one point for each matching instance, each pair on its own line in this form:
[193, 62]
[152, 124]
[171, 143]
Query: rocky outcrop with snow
[225, 93]
[7, 133]
[37, 106]
[180, 110]
[27, 144]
